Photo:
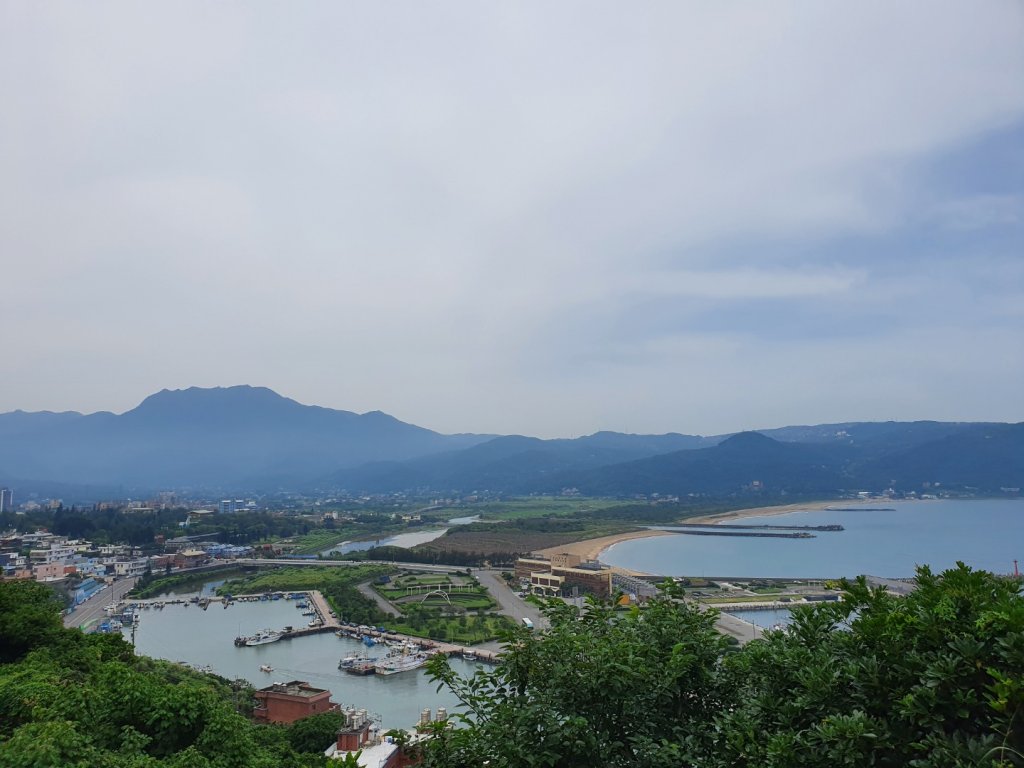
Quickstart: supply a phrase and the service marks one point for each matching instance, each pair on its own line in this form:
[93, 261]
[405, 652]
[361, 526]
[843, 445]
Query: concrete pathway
[368, 591]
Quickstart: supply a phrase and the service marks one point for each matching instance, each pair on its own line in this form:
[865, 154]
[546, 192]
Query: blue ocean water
[986, 534]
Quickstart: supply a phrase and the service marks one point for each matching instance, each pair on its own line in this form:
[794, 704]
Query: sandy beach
[739, 514]
[591, 549]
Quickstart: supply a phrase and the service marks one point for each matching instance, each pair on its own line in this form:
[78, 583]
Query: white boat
[263, 637]
[400, 661]
[266, 668]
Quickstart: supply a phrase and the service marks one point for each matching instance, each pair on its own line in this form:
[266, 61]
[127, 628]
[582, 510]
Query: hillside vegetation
[933, 680]
[69, 700]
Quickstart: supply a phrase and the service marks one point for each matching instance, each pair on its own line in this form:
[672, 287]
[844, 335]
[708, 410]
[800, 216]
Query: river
[986, 534]
[406, 540]
[200, 638]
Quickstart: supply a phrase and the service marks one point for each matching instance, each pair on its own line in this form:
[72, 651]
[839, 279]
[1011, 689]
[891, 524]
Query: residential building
[134, 567]
[359, 734]
[6, 499]
[288, 702]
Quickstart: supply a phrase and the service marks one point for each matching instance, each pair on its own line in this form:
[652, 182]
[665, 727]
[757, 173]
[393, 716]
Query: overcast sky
[540, 218]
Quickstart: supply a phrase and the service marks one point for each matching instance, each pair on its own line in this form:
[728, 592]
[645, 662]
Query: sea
[205, 638]
[985, 534]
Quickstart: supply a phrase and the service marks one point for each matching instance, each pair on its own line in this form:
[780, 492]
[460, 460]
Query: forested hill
[222, 438]
[819, 461]
[242, 439]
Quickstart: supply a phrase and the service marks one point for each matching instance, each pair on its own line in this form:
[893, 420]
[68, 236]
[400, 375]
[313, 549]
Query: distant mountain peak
[747, 439]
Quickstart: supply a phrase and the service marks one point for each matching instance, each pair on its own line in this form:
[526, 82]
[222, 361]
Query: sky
[536, 218]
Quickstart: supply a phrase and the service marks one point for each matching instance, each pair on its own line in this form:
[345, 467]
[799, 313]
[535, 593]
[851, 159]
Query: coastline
[592, 549]
[739, 514]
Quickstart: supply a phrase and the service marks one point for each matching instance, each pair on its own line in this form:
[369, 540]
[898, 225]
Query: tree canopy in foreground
[931, 680]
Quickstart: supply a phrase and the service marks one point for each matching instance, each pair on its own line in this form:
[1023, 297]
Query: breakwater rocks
[758, 531]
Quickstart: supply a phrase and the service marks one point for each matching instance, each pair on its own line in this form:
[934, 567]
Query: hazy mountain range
[251, 439]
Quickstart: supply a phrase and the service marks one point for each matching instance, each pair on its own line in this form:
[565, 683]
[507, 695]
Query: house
[360, 734]
[288, 702]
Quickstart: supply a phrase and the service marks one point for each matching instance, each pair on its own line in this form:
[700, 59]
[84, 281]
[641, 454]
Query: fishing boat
[266, 668]
[401, 660]
[358, 664]
[262, 637]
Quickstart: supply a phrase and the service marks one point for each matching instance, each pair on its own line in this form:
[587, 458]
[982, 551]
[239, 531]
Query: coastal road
[92, 609]
[508, 604]
[744, 631]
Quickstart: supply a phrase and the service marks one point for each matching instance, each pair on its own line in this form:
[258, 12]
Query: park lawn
[302, 578]
[317, 541]
[421, 579]
[468, 602]
[449, 630]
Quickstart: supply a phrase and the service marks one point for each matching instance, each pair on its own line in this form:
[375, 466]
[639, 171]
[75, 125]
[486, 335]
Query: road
[508, 604]
[368, 591]
[92, 609]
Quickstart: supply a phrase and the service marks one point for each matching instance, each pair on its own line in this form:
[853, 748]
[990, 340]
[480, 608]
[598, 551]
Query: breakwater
[711, 531]
[760, 527]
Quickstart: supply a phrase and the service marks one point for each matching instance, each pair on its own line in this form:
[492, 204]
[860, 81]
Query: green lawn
[477, 629]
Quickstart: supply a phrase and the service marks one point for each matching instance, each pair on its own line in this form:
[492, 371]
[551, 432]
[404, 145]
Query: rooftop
[294, 688]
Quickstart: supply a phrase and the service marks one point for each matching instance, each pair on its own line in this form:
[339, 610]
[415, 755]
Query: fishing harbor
[204, 640]
[312, 605]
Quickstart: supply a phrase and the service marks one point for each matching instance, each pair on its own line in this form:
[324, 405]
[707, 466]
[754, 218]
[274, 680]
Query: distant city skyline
[536, 219]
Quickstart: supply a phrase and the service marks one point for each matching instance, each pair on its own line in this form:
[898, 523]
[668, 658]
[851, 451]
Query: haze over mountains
[252, 439]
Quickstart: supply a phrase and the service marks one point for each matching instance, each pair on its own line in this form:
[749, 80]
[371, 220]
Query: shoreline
[592, 549]
[739, 514]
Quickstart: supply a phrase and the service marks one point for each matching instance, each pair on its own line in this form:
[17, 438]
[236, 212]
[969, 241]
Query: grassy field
[476, 629]
[317, 541]
[414, 590]
[534, 506]
[511, 541]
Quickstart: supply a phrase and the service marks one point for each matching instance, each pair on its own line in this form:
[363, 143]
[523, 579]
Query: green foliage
[29, 617]
[338, 585]
[149, 585]
[932, 680]
[86, 700]
[314, 733]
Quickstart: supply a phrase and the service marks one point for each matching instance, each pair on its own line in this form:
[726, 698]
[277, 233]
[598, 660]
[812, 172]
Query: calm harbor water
[198, 637]
[984, 534]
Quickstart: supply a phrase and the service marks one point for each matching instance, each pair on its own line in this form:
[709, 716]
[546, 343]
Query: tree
[316, 732]
[29, 617]
[931, 680]
[598, 688]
